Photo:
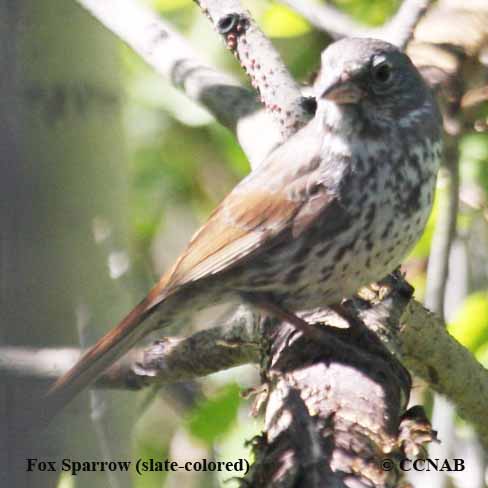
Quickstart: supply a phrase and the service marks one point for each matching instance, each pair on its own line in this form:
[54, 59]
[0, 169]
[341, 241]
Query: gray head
[373, 77]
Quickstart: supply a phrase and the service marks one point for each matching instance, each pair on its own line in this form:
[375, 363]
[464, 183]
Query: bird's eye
[383, 73]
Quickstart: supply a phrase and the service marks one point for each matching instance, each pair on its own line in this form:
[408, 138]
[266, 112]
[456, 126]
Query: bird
[335, 207]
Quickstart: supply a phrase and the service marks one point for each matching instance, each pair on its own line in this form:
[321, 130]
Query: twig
[438, 267]
[234, 106]
[170, 360]
[474, 97]
[398, 30]
[327, 18]
[279, 92]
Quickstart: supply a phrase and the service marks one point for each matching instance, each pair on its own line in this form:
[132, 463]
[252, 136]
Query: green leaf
[216, 415]
[280, 21]
[470, 325]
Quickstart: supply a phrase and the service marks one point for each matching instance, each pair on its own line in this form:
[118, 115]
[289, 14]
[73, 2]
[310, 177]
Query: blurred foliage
[180, 156]
[280, 21]
[214, 417]
[150, 479]
[470, 324]
[373, 13]
[474, 158]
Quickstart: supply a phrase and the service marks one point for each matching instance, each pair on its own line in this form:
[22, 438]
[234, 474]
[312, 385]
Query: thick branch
[334, 407]
[420, 338]
[279, 92]
[449, 368]
[170, 360]
[234, 106]
[316, 414]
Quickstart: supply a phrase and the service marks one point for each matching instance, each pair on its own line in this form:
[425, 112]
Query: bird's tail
[98, 358]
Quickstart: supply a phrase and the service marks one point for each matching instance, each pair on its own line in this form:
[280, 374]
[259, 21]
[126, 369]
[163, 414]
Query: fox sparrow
[335, 207]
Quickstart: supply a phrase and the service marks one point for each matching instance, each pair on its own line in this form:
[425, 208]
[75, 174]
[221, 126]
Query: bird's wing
[282, 197]
[243, 223]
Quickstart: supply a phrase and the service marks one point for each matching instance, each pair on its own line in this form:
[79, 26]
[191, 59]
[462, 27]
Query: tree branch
[398, 30]
[234, 106]
[333, 408]
[327, 18]
[403, 325]
[169, 360]
[449, 368]
[279, 92]
[445, 230]
[420, 338]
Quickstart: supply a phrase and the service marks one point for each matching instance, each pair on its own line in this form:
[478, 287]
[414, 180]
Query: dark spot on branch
[309, 104]
[228, 23]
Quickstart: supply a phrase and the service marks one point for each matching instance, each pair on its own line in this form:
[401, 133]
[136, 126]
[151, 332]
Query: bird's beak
[342, 90]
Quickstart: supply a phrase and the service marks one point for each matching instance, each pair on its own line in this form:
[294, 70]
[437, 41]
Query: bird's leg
[359, 331]
[270, 308]
[355, 325]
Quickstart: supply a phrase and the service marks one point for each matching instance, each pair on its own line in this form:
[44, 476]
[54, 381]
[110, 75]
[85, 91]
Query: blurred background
[108, 170]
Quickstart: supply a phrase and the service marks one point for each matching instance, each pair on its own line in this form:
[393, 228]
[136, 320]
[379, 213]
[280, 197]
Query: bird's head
[370, 76]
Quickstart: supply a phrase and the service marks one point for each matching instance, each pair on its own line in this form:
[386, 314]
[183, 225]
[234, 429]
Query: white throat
[336, 118]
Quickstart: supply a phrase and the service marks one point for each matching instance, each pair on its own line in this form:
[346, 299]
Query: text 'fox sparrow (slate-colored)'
[335, 207]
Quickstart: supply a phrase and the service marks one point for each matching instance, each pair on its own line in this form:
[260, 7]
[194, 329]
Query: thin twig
[449, 368]
[474, 97]
[398, 30]
[328, 19]
[438, 268]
